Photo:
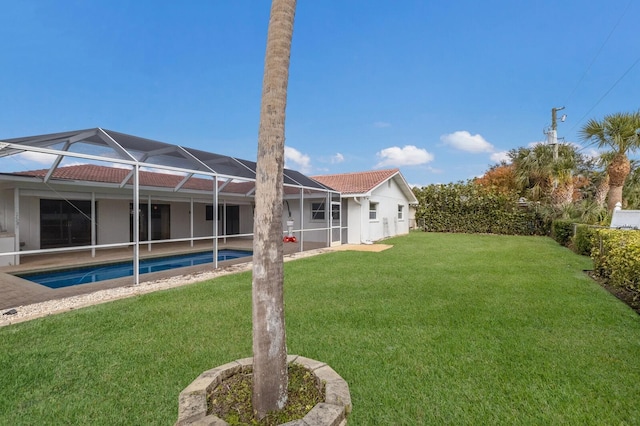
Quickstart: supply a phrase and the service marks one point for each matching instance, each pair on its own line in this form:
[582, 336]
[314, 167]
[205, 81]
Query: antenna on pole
[554, 117]
[553, 137]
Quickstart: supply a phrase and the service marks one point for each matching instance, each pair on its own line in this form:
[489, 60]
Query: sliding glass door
[65, 223]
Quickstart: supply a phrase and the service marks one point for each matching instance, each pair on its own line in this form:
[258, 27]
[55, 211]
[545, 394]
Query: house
[102, 189]
[99, 190]
[376, 204]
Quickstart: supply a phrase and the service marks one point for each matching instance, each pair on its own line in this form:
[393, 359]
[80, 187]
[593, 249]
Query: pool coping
[17, 291]
[25, 275]
[56, 303]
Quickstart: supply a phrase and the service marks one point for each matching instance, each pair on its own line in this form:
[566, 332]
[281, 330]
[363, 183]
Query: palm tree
[631, 192]
[601, 184]
[593, 181]
[270, 379]
[544, 174]
[563, 167]
[620, 133]
[531, 173]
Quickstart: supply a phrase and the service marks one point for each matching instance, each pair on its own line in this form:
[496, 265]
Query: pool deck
[15, 292]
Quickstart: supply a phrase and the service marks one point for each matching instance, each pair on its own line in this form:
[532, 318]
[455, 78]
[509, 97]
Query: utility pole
[552, 136]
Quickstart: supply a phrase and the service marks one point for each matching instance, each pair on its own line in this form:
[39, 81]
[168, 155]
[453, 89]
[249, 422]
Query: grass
[440, 329]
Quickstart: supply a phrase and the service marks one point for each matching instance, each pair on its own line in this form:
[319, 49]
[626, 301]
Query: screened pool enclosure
[94, 190]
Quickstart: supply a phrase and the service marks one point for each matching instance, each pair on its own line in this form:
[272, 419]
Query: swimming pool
[95, 273]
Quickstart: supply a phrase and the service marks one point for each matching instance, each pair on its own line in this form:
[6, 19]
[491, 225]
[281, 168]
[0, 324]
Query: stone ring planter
[192, 409]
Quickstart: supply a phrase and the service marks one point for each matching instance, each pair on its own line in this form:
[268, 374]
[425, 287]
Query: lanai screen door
[335, 219]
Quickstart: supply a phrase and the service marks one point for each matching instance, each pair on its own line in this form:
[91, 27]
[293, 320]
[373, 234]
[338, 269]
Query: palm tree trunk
[601, 191]
[618, 170]
[614, 196]
[270, 379]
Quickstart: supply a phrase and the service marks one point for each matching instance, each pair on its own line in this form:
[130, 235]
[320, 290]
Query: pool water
[92, 274]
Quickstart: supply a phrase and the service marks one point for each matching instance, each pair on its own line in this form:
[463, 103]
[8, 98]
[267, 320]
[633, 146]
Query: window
[209, 212]
[335, 211]
[317, 211]
[400, 212]
[373, 211]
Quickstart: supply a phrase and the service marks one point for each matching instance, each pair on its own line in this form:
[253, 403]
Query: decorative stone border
[192, 408]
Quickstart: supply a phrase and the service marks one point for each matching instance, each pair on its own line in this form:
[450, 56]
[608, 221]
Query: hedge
[616, 257]
[468, 208]
[582, 241]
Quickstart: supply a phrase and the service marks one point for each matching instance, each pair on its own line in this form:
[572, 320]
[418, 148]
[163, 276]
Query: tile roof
[104, 174]
[116, 146]
[356, 183]
[115, 175]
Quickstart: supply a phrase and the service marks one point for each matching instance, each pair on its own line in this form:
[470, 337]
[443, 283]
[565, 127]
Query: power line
[624, 13]
[607, 92]
[598, 53]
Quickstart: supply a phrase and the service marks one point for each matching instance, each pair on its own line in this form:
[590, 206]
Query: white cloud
[36, 157]
[591, 153]
[338, 158]
[465, 141]
[409, 155]
[70, 162]
[381, 124]
[498, 157]
[28, 160]
[296, 160]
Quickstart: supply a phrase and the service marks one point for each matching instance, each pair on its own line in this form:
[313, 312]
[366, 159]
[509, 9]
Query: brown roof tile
[104, 174]
[348, 183]
[356, 183]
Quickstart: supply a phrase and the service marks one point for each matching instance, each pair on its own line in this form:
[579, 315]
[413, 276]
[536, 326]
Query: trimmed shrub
[616, 257]
[562, 231]
[582, 241]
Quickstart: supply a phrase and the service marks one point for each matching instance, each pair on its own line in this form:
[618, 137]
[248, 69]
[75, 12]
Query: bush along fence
[616, 257]
[584, 238]
[468, 208]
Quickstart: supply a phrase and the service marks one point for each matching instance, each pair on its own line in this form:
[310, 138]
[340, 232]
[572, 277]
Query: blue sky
[439, 89]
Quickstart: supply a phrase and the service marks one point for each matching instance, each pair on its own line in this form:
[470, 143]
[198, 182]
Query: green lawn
[440, 329]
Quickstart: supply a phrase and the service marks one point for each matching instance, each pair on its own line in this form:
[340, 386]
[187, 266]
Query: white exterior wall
[389, 197]
[30, 222]
[246, 219]
[201, 226]
[114, 218]
[6, 211]
[357, 215]
[179, 222]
